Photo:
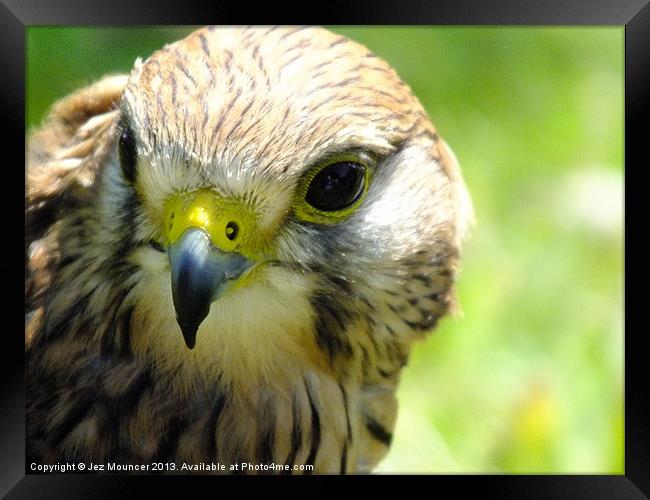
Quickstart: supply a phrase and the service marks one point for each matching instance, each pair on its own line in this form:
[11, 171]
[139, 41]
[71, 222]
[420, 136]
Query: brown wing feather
[62, 160]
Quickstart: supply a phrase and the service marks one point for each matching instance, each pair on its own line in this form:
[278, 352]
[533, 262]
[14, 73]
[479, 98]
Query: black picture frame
[16, 15]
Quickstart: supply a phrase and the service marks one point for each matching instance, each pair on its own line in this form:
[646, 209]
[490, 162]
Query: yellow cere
[231, 224]
[199, 217]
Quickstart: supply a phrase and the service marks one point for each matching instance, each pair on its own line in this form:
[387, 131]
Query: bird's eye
[128, 153]
[336, 187]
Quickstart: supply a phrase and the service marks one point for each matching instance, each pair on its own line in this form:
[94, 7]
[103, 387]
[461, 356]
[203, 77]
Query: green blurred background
[529, 379]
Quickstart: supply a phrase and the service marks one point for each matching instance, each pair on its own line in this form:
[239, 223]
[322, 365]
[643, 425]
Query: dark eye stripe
[336, 186]
[156, 246]
[128, 154]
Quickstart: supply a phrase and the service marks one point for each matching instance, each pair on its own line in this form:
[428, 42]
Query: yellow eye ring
[332, 190]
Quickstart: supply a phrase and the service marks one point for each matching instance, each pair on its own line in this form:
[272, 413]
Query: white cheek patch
[258, 329]
[464, 206]
[408, 202]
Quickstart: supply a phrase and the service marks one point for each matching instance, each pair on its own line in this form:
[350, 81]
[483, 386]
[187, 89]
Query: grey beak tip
[189, 335]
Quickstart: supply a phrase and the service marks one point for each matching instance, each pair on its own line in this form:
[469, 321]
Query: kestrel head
[284, 200]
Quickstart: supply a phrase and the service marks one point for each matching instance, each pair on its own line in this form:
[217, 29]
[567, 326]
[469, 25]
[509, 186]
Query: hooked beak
[200, 272]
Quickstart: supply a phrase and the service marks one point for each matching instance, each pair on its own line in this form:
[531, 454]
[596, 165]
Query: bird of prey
[229, 253]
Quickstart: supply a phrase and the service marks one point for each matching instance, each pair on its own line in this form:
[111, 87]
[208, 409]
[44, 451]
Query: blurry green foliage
[530, 377]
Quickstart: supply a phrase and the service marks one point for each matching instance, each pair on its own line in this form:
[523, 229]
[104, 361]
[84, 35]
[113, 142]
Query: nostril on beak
[232, 230]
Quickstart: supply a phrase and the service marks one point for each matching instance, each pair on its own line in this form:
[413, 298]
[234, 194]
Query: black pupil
[335, 187]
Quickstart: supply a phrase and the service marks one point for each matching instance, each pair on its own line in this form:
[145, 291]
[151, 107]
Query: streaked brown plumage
[300, 363]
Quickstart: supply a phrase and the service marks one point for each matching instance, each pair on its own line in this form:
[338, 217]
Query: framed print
[340, 248]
